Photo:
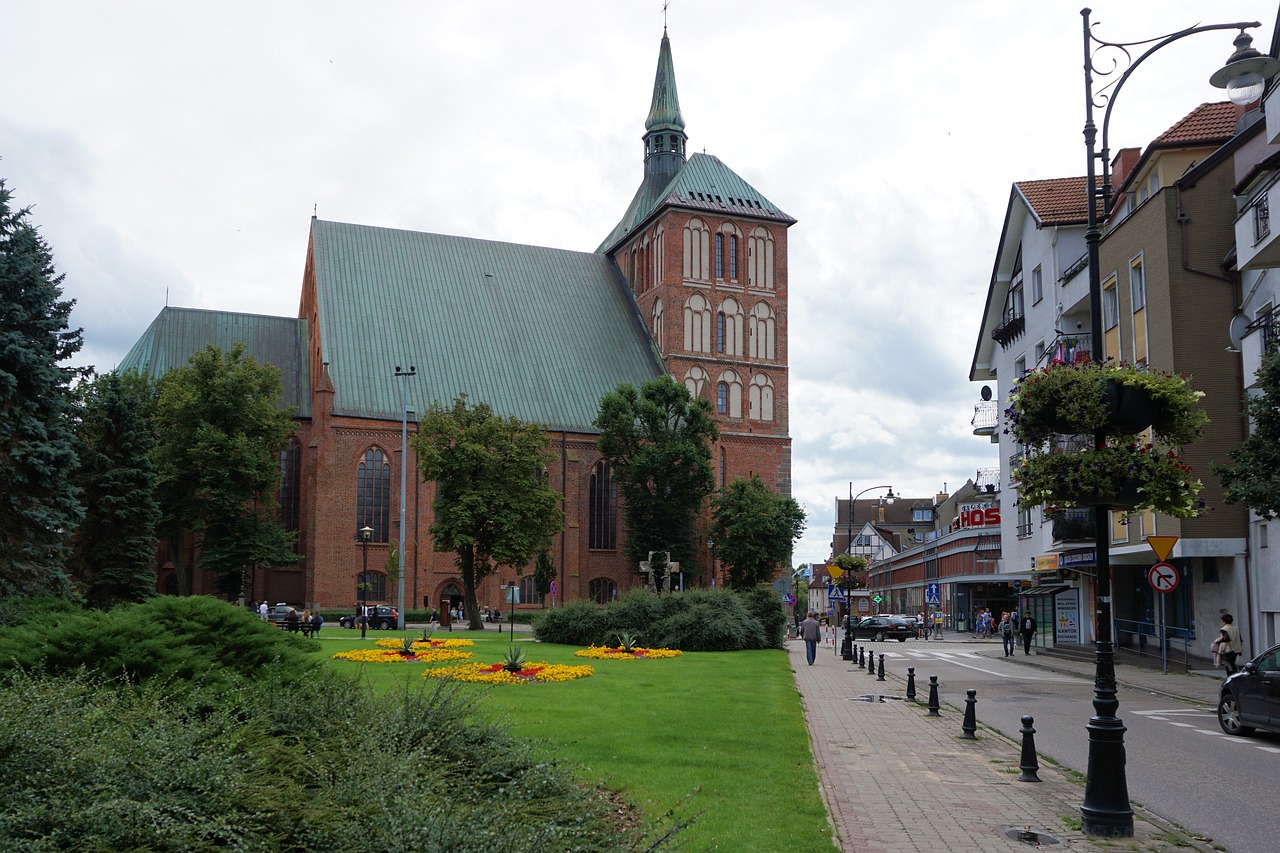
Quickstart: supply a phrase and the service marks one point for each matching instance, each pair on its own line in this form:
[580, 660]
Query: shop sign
[978, 515]
[1047, 563]
[1076, 559]
[1066, 606]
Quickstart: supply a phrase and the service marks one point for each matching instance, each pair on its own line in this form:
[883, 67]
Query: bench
[304, 627]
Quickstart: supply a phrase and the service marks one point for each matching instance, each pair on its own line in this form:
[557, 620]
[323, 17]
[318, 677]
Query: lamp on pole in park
[846, 582]
[888, 499]
[1106, 810]
[364, 535]
[404, 458]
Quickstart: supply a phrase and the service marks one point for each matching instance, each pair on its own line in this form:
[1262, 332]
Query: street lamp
[404, 457]
[364, 535]
[845, 580]
[1106, 810]
[711, 544]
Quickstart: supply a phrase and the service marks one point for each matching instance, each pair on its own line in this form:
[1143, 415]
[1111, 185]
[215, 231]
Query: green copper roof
[703, 183]
[664, 113]
[537, 333]
[178, 333]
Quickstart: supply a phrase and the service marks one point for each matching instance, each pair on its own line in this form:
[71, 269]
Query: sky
[173, 153]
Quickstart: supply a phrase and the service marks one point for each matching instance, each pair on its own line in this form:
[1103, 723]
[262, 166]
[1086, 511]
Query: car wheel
[1229, 717]
[902, 639]
[386, 624]
[879, 636]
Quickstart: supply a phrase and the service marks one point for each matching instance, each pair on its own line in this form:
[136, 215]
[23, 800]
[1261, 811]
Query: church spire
[664, 138]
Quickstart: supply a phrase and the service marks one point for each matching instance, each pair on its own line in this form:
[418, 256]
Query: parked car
[880, 628]
[1250, 699]
[383, 616]
[279, 613]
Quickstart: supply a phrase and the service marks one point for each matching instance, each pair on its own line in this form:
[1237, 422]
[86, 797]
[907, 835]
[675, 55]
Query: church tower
[705, 255]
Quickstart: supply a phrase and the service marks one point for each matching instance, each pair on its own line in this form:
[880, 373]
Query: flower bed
[384, 655]
[619, 653]
[428, 644]
[533, 673]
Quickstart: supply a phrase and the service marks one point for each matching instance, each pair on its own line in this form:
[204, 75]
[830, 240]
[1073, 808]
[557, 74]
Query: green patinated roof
[537, 333]
[703, 183]
[664, 112]
[178, 333]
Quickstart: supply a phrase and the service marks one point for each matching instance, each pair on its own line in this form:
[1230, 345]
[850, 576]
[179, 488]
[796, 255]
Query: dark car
[1250, 699]
[383, 616]
[279, 613]
[884, 628]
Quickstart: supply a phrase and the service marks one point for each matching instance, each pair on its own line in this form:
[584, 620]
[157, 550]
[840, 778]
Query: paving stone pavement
[895, 779]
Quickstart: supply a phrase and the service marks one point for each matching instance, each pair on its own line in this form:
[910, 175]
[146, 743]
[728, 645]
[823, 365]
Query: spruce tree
[38, 503]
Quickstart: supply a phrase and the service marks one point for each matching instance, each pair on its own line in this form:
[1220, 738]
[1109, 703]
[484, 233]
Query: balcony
[1012, 325]
[1068, 349]
[987, 480]
[1073, 525]
[986, 418]
[1257, 338]
[1257, 245]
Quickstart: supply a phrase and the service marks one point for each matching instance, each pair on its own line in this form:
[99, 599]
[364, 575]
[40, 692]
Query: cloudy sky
[176, 151]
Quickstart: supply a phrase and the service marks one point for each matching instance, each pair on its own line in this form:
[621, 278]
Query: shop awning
[1047, 589]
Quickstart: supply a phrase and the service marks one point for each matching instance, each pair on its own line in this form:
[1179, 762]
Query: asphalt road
[1179, 763]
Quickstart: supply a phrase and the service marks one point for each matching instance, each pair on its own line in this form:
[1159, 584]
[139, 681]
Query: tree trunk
[467, 568]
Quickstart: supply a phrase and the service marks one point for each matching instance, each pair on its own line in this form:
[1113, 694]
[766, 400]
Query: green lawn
[719, 736]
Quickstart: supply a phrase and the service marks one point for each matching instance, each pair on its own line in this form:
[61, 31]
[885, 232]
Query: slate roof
[537, 333]
[178, 333]
[703, 183]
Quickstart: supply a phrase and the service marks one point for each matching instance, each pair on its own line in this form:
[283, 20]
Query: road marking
[1210, 732]
[1161, 719]
[1181, 712]
[1184, 725]
[1269, 749]
[1235, 739]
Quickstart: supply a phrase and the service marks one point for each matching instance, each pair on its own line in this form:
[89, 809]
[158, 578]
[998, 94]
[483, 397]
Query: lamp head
[366, 533]
[891, 497]
[1246, 73]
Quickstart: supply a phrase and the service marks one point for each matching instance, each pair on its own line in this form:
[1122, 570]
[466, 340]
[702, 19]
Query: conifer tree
[38, 503]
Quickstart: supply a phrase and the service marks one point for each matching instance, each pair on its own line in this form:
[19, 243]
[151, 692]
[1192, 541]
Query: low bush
[578, 623]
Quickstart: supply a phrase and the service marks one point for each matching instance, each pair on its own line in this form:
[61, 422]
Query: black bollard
[1029, 766]
[933, 697]
[862, 656]
[871, 663]
[911, 684]
[970, 724]
[846, 645]
[880, 671]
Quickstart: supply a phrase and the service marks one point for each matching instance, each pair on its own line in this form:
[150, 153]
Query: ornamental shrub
[578, 623]
[765, 605]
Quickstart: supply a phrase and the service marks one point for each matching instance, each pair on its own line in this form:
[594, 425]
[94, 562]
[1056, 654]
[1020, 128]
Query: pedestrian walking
[1005, 629]
[1028, 633]
[811, 633]
[1234, 645]
[262, 611]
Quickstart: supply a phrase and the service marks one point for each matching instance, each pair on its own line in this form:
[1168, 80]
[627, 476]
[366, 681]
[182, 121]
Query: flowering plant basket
[1113, 398]
[1122, 476]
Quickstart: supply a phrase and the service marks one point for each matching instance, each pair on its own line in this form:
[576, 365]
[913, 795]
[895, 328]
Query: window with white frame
[1037, 285]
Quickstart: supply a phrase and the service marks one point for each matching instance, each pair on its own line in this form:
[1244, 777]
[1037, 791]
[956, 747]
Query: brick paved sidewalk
[895, 779]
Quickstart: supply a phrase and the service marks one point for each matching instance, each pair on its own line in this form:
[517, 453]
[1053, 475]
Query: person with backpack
[1005, 629]
[1028, 633]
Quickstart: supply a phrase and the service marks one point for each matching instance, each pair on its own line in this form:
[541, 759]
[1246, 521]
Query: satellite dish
[1236, 329]
[986, 392]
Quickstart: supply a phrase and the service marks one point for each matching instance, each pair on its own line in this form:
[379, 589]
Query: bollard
[933, 697]
[871, 663]
[1028, 765]
[970, 724]
[911, 684]
[862, 655]
[880, 671]
[846, 647]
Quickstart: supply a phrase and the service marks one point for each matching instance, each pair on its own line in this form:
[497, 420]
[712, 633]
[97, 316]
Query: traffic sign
[555, 588]
[834, 592]
[932, 593]
[1162, 545]
[1163, 577]
[789, 600]
[877, 599]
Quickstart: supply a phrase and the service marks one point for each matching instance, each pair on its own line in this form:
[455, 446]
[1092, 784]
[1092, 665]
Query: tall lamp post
[1106, 810]
[364, 535]
[846, 581]
[404, 458]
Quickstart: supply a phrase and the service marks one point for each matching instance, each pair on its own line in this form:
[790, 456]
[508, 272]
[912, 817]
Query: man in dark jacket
[1028, 630]
[811, 633]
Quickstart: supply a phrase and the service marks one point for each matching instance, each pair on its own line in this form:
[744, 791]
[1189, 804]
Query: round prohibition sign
[1163, 577]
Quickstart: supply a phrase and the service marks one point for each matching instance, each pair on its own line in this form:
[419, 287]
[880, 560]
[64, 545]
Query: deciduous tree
[493, 504]
[754, 529]
[1254, 478]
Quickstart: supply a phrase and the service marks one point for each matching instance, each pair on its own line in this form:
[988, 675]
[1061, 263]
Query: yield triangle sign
[1162, 545]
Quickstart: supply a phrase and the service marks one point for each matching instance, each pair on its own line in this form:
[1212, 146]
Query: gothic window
[763, 334]
[602, 590]
[657, 322]
[733, 256]
[760, 259]
[722, 398]
[697, 324]
[761, 402]
[729, 394]
[720, 331]
[697, 250]
[290, 485]
[731, 331]
[602, 508]
[528, 590]
[695, 380]
[376, 586]
[373, 494]
[658, 245]
[719, 256]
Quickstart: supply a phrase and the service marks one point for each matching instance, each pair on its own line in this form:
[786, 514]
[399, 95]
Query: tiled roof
[1207, 123]
[1056, 201]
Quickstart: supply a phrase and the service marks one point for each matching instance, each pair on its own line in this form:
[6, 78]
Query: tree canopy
[220, 426]
[493, 504]
[754, 529]
[38, 504]
[1254, 478]
[658, 441]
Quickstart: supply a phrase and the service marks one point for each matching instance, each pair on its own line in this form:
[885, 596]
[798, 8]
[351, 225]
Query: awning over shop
[1047, 589]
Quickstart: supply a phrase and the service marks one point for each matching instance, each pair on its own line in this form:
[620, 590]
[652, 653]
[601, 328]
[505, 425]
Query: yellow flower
[535, 673]
[387, 655]
[606, 653]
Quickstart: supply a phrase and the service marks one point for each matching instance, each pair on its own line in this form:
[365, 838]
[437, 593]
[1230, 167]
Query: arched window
[602, 590]
[696, 250]
[722, 398]
[733, 257]
[373, 494]
[720, 331]
[658, 246]
[719, 256]
[528, 591]
[695, 380]
[602, 508]
[377, 590]
[760, 259]
[730, 335]
[697, 324]
[761, 403]
[763, 334]
[657, 322]
[729, 395]
[290, 485]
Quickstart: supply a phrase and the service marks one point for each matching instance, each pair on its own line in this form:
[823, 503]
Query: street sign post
[933, 593]
[1163, 577]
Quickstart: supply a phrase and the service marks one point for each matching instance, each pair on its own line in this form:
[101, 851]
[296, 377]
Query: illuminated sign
[978, 515]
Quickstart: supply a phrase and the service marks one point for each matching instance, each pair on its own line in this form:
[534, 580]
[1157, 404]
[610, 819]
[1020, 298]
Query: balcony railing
[1073, 525]
[986, 417]
[1068, 349]
[1261, 218]
[1078, 266]
[987, 479]
[1012, 324]
[1266, 324]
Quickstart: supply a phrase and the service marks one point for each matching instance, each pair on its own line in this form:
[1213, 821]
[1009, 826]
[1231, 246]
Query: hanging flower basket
[1126, 477]
[1112, 398]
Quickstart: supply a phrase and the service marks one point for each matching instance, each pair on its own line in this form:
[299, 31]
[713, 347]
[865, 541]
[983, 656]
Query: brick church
[692, 282]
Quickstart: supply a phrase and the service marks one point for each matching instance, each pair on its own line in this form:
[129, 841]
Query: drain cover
[1036, 837]
[875, 697]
